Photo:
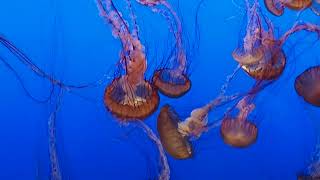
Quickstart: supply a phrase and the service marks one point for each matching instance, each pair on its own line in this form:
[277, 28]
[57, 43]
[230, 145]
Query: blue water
[68, 39]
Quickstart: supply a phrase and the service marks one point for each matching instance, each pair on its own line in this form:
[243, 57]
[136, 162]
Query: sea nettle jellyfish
[171, 81]
[130, 96]
[260, 53]
[239, 131]
[307, 85]
[276, 7]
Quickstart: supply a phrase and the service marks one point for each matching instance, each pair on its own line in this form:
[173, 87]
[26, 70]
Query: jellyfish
[176, 134]
[129, 96]
[261, 54]
[307, 85]
[171, 81]
[276, 7]
[177, 145]
[252, 50]
[239, 131]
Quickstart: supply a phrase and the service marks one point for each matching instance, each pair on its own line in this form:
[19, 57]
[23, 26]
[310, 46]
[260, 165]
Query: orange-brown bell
[172, 140]
[142, 101]
[171, 84]
[307, 85]
[238, 133]
[273, 8]
[268, 69]
[297, 4]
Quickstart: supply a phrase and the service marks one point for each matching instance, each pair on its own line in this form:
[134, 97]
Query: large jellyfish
[276, 7]
[307, 85]
[129, 96]
[176, 134]
[261, 54]
[172, 81]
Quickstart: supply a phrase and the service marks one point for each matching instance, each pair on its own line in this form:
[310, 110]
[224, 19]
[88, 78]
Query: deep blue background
[69, 40]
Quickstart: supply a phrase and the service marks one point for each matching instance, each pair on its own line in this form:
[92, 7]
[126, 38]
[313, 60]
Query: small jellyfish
[177, 145]
[239, 131]
[251, 50]
[130, 96]
[171, 81]
[307, 85]
[276, 7]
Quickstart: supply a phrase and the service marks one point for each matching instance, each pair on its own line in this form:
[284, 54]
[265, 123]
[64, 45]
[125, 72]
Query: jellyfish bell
[247, 58]
[270, 68]
[274, 7]
[130, 102]
[177, 145]
[239, 131]
[171, 83]
[297, 4]
[307, 85]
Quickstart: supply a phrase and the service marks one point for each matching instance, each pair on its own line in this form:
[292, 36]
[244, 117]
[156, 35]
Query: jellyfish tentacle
[45, 100]
[55, 167]
[24, 59]
[165, 170]
[135, 32]
[178, 34]
[197, 122]
[297, 27]
[244, 109]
